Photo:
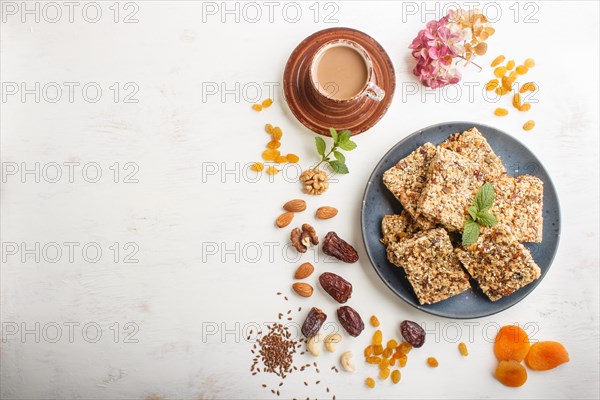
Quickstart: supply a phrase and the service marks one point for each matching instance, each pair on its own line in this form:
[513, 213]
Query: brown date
[336, 247]
[336, 286]
[413, 333]
[313, 322]
[350, 320]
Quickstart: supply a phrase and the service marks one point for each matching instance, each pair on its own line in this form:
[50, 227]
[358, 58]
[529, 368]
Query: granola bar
[472, 145]
[451, 184]
[519, 204]
[397, 227]
[431, 265]
[406, 180]
[498, 262]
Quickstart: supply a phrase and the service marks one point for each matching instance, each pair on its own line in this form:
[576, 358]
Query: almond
[304, 271]
[284, 219]
[296, 205]
[326, 212]
[303, 289]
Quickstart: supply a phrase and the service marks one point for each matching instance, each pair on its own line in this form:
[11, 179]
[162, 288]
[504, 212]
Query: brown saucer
[319, 117]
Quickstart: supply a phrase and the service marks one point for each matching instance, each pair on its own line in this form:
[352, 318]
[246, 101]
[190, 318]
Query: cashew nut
[346, 361]
[331, 341]
[313, 345]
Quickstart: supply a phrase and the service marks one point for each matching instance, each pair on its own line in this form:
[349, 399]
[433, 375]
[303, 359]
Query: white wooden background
[186, 214]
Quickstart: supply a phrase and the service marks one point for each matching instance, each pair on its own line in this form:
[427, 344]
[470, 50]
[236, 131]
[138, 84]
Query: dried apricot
[370, 382]
[378, 349]
[373, 360]
[525, 107]
[500, 71]
[510, 64]
[257, 166]
[277, 133]
[270, 154]
[396, 376]
[368, 351]
[269, 128]
[522, 70]
[491, 85]
[546, 355]
[511, 373]
[529, 63]
[501, 112]
[384, 373]
[462, 348]
[272, 170]
[529, 125]
[392, 344]
[273, 144]
[257, 107]
[293, 158]
[497, 60]
[377, 337]
[432, 362]
[528, 87]
[374, 321]
[267, 103]
[512, 343]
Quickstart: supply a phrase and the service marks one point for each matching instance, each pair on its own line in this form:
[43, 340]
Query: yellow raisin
[522, 70]
[393, 362]
[378, 349]
[384, 373]
[281, 159]
[403, 360]
[374, 321]
[525, 107]
[528, 87]
[270, 154]
[506, 83]
[377, 337]
[370, 382]
[272, 170]
[396, 376]
[257, 107]
[384, 363]
[257, 166]
[501, 91]
[500, 71]
[497, 60]
[462, 348]
[273, 144]
[510, 64]
[293, 158]
[387, 352]
[529, 63]
[529, 125]
[269, 128]
[368, 351]
[513, 76]
[277, 133]
[267, 103]
[392, 344]
[432, 362]
[501, 112]
[491, 85]
[516, 101]
[405, 347]
[373, 360]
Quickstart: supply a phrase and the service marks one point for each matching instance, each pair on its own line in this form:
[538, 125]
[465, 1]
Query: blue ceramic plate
[378, 201]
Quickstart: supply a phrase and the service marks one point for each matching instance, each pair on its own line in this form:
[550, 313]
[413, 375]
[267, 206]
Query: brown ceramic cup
[325, 93]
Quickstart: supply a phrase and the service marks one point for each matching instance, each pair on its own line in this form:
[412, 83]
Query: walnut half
[303, 238]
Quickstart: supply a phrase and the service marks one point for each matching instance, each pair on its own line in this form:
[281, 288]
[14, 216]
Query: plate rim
[419, 306]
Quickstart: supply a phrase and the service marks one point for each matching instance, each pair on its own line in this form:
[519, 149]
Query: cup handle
[374, 92]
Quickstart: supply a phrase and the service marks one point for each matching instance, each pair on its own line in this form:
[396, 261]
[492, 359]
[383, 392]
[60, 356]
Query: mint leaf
[338, 167]
[472, 210]
[334, 135]
[470, 232]
[486, 219]
[320, 145]
[348, 145]
[340, 157]
[344, 136]
[485, 197]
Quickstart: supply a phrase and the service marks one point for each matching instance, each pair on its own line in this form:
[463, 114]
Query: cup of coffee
[341, 73]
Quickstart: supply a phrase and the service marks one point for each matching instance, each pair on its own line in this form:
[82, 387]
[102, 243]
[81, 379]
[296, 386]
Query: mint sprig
[479, 214]
[334, 157]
